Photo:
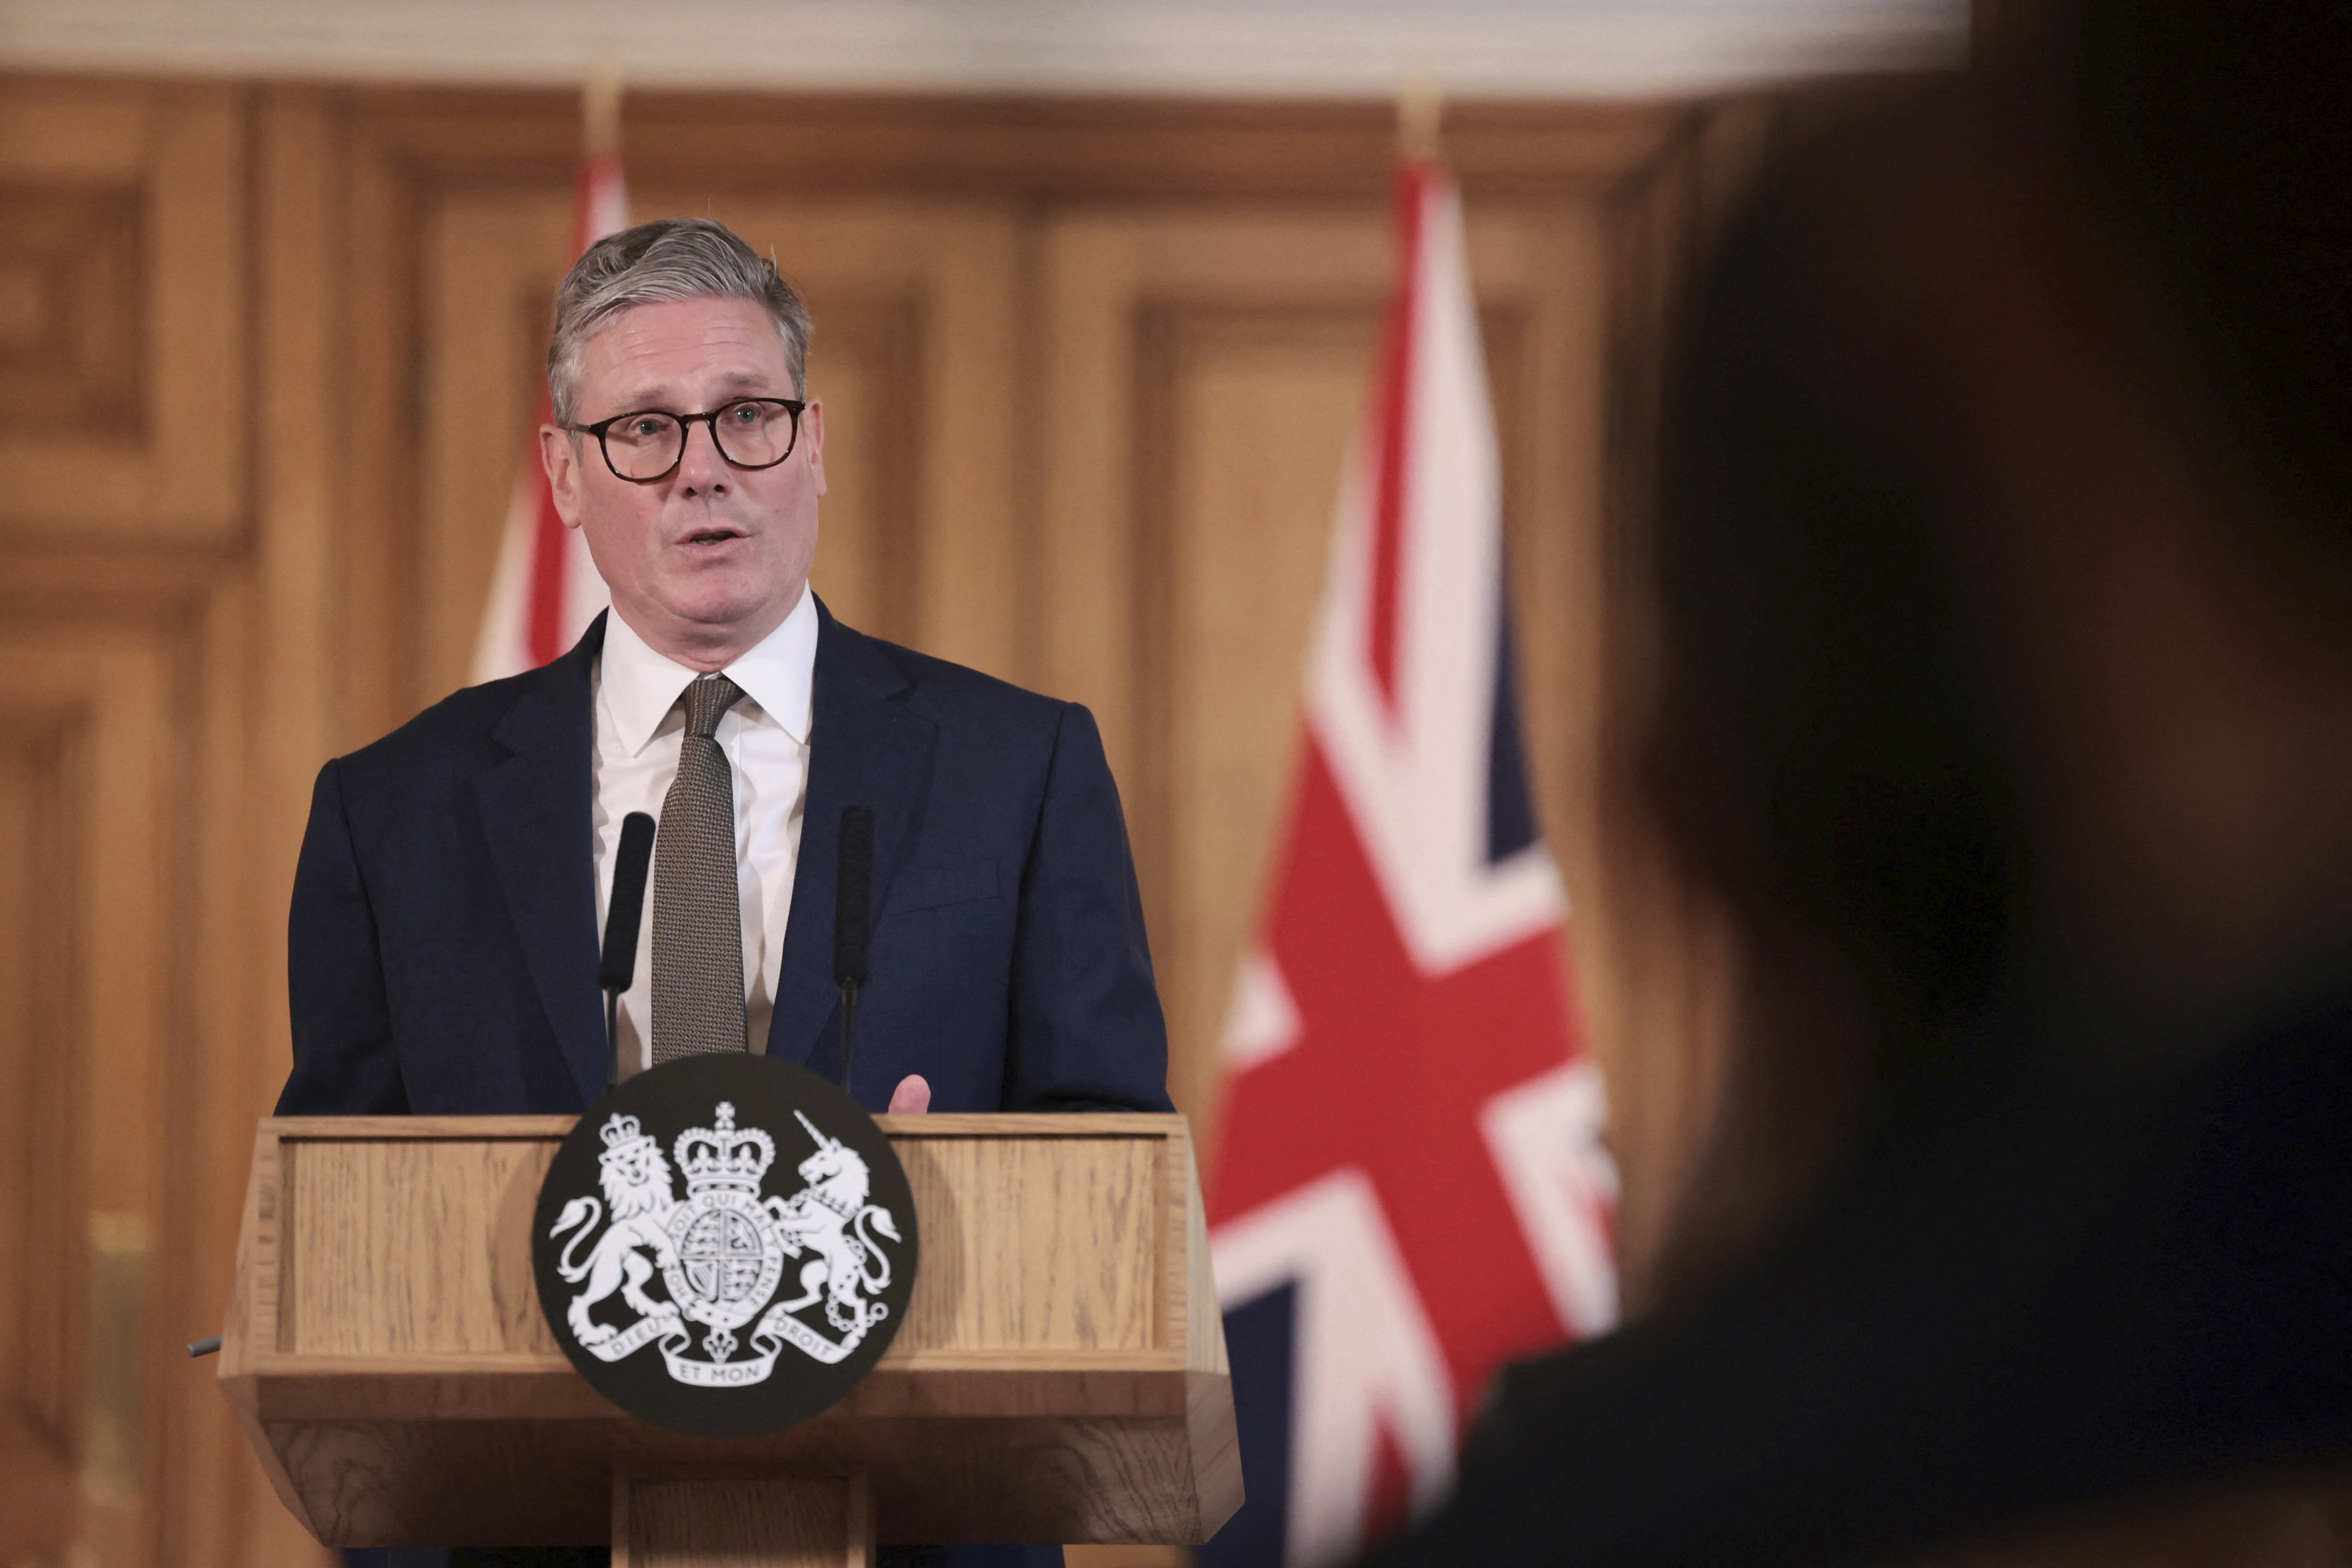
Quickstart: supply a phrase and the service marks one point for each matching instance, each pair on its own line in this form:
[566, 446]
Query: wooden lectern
[1060, 1376]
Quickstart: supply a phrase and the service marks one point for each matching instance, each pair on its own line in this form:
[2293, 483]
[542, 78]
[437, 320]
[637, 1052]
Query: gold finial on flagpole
[600, 106]
[1420, 107]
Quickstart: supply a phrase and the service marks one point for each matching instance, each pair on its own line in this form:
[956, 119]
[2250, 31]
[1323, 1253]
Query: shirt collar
[640, 687]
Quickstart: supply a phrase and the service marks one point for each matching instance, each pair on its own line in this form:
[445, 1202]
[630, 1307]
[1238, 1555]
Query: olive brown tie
[698, 918]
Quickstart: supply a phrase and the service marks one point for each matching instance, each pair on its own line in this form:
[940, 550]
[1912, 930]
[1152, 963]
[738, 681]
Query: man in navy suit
[444, 941]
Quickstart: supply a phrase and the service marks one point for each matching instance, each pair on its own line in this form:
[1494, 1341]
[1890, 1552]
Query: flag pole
[1420, 107]
[599, 108]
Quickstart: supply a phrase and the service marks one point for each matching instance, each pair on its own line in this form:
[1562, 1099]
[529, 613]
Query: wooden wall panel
[126, 408]
[41, 1317]
[95, 703]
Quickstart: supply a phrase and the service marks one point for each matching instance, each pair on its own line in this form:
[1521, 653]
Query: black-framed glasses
[648, 445]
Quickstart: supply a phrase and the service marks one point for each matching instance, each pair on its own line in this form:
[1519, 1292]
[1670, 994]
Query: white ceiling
[1221, 48]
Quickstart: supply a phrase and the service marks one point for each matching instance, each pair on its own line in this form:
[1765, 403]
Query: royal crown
[722, 1156]
[622, 1136]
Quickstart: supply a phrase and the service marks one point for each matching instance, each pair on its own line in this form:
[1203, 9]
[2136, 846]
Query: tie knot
[708, 696]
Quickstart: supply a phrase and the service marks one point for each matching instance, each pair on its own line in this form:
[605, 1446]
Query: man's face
[710, 559]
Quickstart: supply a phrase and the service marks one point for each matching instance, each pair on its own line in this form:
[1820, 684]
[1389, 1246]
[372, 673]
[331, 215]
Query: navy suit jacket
[443, 946]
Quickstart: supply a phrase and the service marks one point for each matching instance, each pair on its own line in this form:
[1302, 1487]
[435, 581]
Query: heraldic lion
[635, 1176]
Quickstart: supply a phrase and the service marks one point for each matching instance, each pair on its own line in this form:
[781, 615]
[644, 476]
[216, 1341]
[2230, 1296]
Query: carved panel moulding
[991, 146]
[72, 322]
[123, 407]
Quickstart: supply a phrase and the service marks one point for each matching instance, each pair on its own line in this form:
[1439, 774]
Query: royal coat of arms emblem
[728, 1279]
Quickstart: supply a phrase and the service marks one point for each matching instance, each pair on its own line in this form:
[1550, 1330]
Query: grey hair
[663, 262]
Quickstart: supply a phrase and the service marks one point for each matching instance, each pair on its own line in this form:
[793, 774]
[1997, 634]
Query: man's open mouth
[712, 535]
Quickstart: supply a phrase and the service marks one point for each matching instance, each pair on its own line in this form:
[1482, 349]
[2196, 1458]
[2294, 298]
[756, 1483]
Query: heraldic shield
[725, 1245]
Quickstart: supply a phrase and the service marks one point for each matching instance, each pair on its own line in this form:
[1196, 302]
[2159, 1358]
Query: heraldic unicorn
[721, 1250]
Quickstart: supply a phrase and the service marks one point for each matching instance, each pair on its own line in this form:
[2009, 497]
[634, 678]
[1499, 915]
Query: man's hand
[912, 1096]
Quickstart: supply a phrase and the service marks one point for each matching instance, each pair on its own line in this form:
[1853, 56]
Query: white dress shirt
[639, 717]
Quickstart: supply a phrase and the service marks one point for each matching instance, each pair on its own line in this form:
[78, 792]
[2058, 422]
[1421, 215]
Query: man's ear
[812, 431]
[558, 454]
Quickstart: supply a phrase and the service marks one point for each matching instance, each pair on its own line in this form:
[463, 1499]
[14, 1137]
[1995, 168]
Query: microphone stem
[848, 1031]
[612, 1038]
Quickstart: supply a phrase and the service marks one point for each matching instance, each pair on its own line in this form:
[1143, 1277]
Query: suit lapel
[536, 810]
[866, 747]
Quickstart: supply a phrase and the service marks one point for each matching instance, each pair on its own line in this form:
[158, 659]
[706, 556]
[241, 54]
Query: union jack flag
[1411, 1187]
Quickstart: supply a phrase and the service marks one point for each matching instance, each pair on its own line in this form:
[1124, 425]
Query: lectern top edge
[962, 1125]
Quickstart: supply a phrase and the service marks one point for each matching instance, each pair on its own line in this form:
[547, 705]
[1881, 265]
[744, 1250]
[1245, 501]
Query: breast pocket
[938, 886]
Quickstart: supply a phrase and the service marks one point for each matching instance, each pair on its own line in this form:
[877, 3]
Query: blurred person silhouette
[2005, 552]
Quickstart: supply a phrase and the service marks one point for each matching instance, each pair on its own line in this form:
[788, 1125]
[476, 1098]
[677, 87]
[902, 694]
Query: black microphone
[852, 922]
[622, 919]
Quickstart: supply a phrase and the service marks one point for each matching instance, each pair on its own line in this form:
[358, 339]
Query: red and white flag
[1412, 1187]
[546, 590]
